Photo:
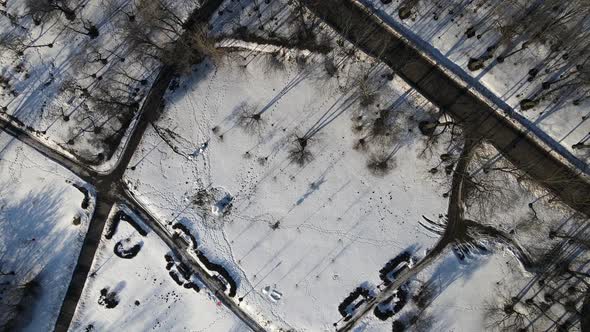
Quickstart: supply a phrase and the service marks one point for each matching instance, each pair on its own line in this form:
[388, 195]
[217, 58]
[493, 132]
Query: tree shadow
[33, 244]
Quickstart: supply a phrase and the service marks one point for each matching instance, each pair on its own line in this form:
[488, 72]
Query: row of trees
[561, 27]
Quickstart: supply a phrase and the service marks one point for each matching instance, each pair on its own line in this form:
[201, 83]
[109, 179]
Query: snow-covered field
[299, 239]
[297, 163]
[147, 298]
[440, 28]
[311, 233]
[42, 225]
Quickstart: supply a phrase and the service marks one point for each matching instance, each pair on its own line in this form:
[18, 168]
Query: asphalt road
[38, 143]
[82, 269]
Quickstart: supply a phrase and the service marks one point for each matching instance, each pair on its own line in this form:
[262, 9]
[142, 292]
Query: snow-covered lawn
[42, 225]
[145, 295]
[298, 239]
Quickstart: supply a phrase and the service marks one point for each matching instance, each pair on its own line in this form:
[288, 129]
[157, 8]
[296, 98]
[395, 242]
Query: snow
[465, 289]
[312, 233]
[62, 84]
[444, 38]
[296, 234]
[162, 304]
[38, 237]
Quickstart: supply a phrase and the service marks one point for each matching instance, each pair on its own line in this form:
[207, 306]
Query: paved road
[111, 185]
[109, 188]
[107, 185]
[36, 142]
[474, 84]
[82, 269]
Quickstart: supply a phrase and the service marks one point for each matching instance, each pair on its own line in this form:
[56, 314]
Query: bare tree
[158, 32]
[407, 8]
[90, 29]
[299, 150]
[507, 315]
[381, 163]
[250, 119]
[306, 24]
[41, 10]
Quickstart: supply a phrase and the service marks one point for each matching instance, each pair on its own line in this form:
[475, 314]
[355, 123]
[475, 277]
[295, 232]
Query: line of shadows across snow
[34, 257]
